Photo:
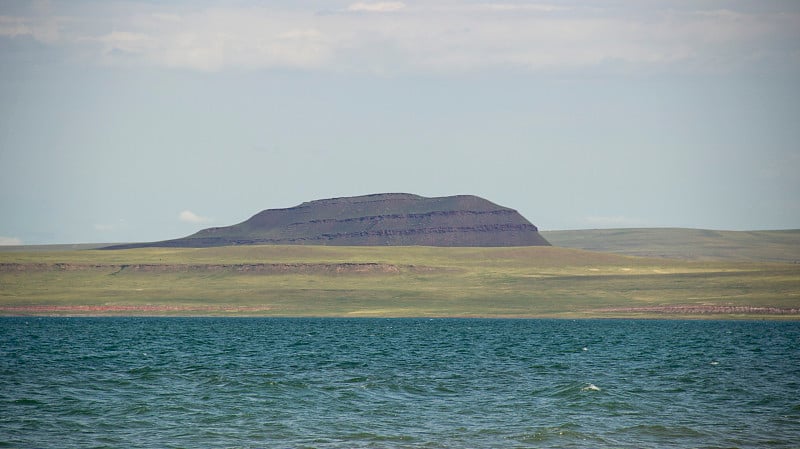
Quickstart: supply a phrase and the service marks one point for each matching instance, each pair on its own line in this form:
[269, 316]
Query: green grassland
[407, 281]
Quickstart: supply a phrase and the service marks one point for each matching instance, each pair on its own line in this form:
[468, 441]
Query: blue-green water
[405, 383]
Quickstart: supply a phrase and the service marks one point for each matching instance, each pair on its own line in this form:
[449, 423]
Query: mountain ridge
[384, 219]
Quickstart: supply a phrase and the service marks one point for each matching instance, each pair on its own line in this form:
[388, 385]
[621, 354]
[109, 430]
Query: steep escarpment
[398, 219]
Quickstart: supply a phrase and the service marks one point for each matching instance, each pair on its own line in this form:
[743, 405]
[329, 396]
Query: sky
[147, 120]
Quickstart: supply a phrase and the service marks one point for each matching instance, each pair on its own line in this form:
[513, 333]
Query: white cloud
[123, 42]
[167, 17]
[538, 7]
[190, 217]
[43, 29]
[377, 6]
[13, 27]
[9, 241]
[216, 39]
[429, 36]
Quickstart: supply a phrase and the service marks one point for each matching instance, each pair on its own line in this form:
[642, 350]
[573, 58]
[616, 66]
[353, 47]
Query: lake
[398, 383]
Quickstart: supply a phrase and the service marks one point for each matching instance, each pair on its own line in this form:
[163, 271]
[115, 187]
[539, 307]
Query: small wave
[28, 401]
[562, 433]
[663, 431]
[356, 380]
[572, 390]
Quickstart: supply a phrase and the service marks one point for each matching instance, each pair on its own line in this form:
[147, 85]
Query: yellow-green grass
[423, 282]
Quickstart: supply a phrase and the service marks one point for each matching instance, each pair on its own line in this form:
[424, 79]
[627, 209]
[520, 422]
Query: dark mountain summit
[398, 219]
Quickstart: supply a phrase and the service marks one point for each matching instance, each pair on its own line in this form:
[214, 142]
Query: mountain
[396, 219]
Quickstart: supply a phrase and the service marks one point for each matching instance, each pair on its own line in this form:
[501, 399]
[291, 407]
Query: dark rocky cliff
[397, 219]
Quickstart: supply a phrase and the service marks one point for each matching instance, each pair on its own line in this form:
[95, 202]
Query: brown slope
[398, 219]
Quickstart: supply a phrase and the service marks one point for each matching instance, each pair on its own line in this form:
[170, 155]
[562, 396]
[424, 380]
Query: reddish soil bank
[704, 310]
[119, 309]
[254, 268]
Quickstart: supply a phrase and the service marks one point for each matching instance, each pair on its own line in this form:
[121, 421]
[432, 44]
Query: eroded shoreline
[189, 310]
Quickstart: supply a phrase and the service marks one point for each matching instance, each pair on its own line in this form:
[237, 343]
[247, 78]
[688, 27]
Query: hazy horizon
[130, 121]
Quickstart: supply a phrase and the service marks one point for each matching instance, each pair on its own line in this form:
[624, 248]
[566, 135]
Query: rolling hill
[688, 244]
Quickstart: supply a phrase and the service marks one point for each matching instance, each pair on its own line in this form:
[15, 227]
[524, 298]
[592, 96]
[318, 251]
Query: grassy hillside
[690, 244]
[403, 281]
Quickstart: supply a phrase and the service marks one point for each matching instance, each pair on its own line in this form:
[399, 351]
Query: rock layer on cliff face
[398, 219]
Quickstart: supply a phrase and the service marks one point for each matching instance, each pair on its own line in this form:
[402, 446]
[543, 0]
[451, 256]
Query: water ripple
[336, 383]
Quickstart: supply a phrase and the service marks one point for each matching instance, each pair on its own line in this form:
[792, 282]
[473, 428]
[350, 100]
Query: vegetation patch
[392, 282]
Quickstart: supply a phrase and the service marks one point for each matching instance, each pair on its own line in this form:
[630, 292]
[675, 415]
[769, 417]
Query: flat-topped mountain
[398, 219]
